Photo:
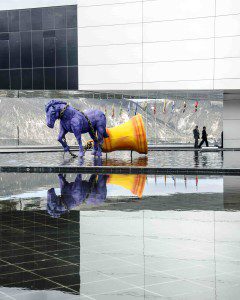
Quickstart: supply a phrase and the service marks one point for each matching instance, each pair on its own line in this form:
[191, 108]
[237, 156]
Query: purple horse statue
[77, 122]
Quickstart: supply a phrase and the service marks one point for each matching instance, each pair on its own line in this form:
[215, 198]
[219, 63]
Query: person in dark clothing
[196, 136]
[204, 137]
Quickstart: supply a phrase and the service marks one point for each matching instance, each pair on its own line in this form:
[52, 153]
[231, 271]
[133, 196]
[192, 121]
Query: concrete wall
[159, 44]
[231, 119]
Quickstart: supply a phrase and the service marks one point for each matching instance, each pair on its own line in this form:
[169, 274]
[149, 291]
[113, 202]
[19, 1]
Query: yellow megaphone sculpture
[130, 135]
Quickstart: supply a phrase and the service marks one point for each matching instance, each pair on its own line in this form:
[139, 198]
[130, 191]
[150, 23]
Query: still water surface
[185, 159]
[119, 237]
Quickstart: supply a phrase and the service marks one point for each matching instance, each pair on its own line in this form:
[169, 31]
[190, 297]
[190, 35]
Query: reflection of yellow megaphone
[130, 135]
[133, 182]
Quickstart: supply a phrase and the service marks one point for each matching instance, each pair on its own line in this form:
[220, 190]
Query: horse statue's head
[53, 109]
[55, 205]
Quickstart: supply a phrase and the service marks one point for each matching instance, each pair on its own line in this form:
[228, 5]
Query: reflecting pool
[167, 159]
[119, 236]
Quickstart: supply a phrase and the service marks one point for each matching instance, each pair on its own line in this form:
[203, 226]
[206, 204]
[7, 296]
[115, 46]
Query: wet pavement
[119, 237]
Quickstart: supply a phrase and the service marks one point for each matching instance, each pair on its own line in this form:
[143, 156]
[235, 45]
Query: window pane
[3, 21]
[25, 20]
[4, 55]
[13, 20]
[72, 47]
[61, 78]
[73, 78]
[61, 48]
[27, 79]
[14, 43]
[48, 18]
[49, 52]
[36, 17]
[72, 16]
[15, 76]
[37, 48]
[60, 17]
[4, 79]
[26, 53]
[49, 78]
[38, 82]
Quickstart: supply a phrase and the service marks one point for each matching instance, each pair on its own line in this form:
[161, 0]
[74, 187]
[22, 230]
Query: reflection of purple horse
[71, 120]
[75, 193]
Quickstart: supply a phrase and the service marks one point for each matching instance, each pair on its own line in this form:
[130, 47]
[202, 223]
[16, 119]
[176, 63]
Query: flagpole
[155, 115]
[147, 116]
[165, 127]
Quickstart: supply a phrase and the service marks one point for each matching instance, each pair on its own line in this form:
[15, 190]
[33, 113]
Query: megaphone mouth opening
[130, 135]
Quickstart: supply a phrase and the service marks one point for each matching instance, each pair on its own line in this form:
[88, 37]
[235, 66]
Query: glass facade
[38, 48]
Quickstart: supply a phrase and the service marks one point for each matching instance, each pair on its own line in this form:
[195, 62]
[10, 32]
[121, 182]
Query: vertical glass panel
[61, 47]
[25, 20]
[4, 36]
[49, 52]
[4, 80]
[61, 78]
[60, 17]
[73, 78]
[49, 78]
[36, 17]
[27, 79]
[15, 76]
[4, 54]
[48, 18]
[72, 47]
[13, 20]
[14, 44]
[38, 82]
[37, 48]
[71, 16]
[26, 53]
[3, 21]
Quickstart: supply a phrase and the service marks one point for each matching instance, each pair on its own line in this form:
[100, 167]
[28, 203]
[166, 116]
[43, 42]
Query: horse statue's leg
[100, 131]
[95, 144]
[61, 139]
[78, 136]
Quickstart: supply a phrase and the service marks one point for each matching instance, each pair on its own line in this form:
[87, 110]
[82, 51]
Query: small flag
[196, 181]
[185, 181]
[184, 106]
[164, 106]
[113, 111]
[121, 110]
[129, 107]
[196, 106]
[174, 180]
[135, 110]
[155, 109]
[145, 105]
[173, 106]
